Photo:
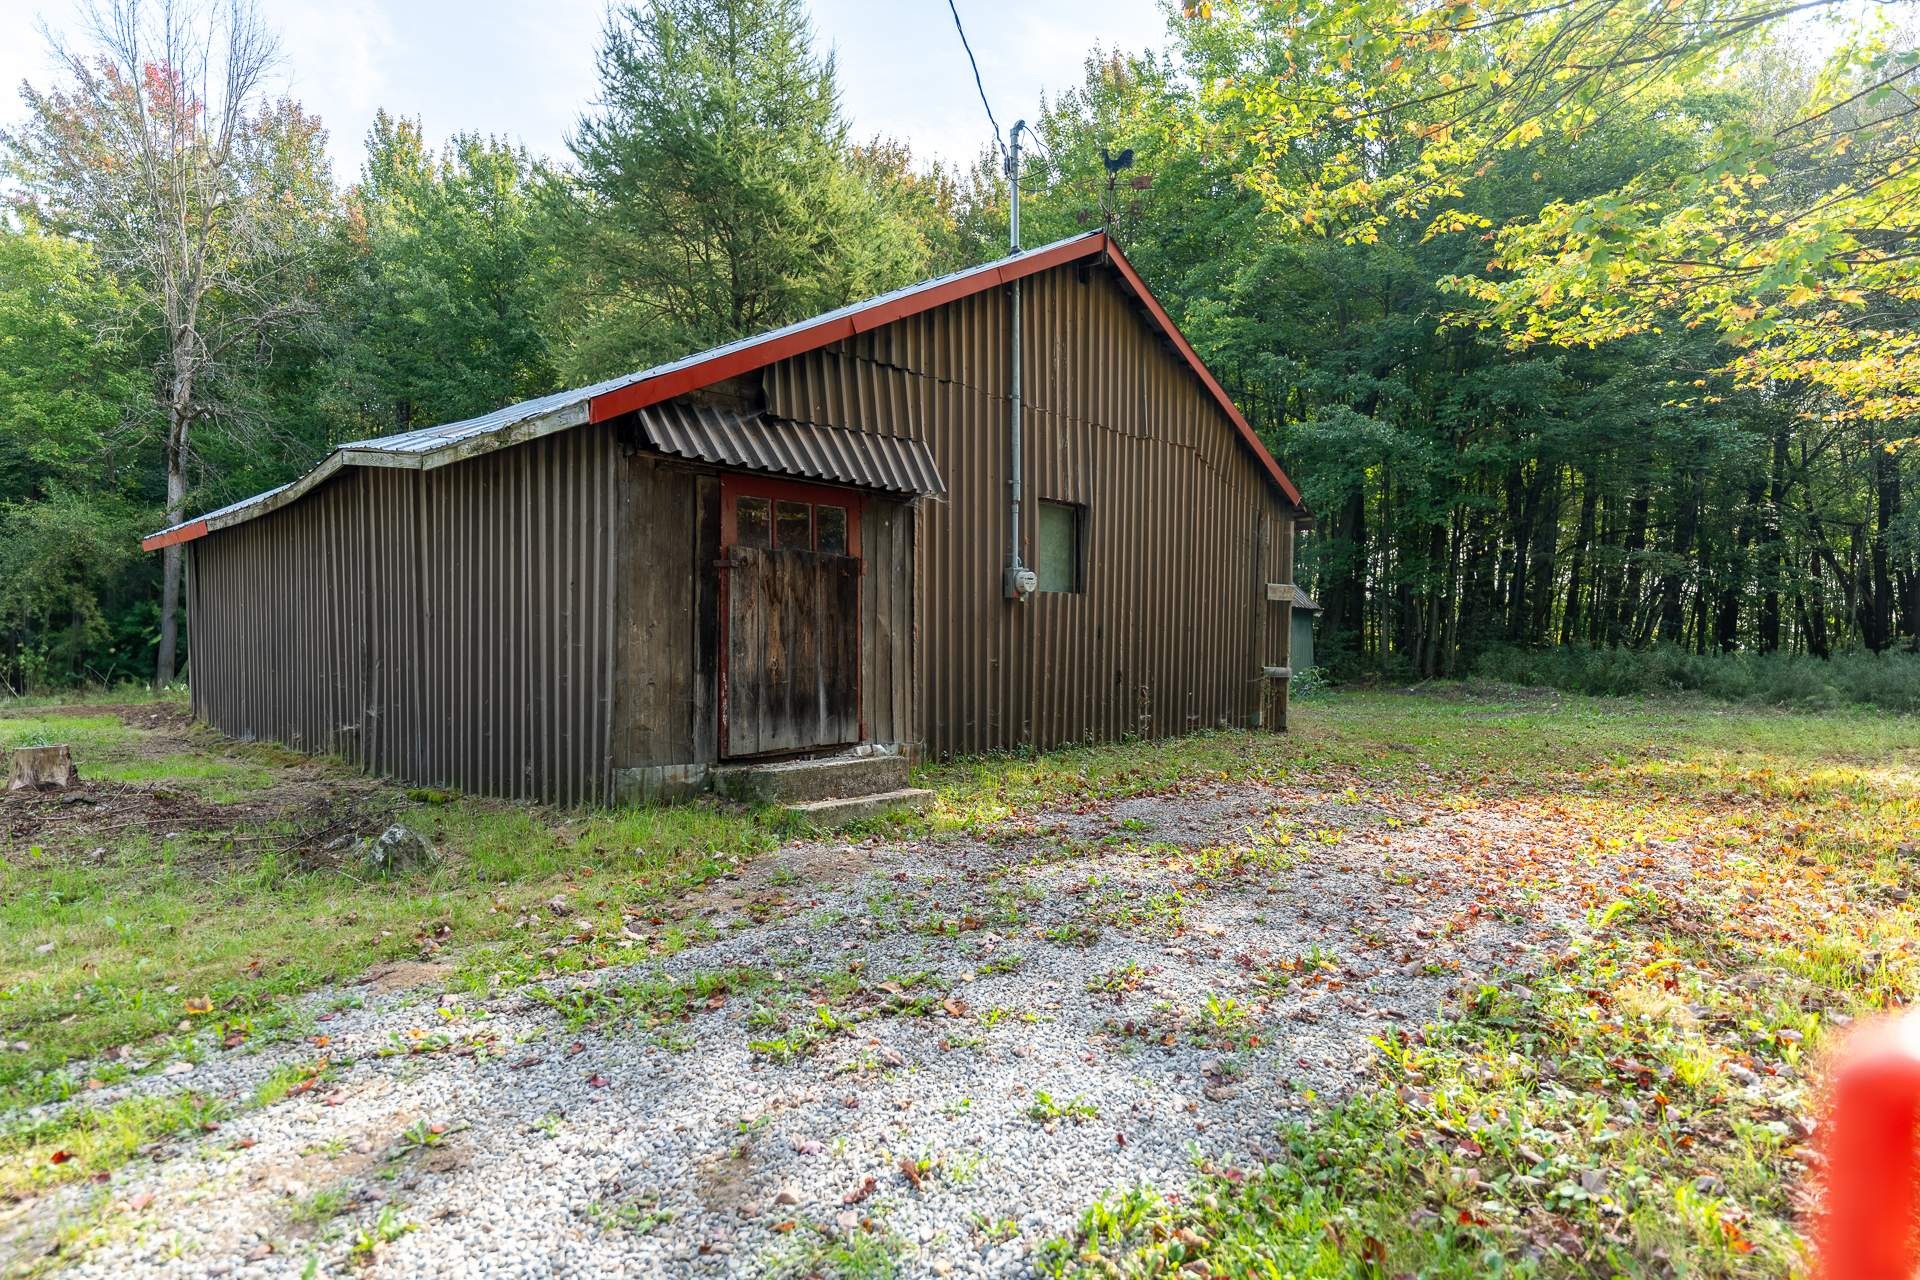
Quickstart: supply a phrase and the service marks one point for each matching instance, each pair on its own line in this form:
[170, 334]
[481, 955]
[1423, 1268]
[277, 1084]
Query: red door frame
[735, 485]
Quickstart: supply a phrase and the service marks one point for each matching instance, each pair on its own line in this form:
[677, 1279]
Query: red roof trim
[185, 533]
[759, 355]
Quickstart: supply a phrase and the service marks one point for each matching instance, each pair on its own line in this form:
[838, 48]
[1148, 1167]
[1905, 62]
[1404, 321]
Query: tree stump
[41, 769]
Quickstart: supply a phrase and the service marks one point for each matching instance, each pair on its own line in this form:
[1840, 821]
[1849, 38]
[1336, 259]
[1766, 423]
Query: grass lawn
[1638, 1104]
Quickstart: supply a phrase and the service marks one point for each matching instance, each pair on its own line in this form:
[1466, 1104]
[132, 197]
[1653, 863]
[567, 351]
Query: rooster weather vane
[1110, 206]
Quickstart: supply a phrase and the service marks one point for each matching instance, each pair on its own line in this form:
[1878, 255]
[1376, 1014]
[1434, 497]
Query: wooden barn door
[790, 617]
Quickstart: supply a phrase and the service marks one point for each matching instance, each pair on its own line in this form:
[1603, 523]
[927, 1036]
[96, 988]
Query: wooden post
[1273, 711]
[1279, 665]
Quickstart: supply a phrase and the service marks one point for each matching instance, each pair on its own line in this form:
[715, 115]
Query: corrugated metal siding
[727, 437]
[450, 627]
[1182, 530]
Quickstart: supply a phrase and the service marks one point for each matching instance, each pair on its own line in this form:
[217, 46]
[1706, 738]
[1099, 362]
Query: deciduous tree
[163, 150]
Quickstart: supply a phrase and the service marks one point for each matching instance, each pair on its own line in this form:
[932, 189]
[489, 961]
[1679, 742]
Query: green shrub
[1890, 681]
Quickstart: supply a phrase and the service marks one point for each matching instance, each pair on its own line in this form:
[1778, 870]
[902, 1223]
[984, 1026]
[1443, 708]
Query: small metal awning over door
[778, 446]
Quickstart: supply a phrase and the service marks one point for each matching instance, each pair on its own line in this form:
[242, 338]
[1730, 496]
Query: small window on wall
[1058, 547]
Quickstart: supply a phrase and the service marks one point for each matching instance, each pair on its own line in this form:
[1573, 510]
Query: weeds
[1045, 1110]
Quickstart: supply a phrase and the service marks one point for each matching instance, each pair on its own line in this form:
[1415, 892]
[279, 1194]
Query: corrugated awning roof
[760, 442]
[431, 447]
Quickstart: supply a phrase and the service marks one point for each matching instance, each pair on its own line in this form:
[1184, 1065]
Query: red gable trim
[759, 355]
[185, 533]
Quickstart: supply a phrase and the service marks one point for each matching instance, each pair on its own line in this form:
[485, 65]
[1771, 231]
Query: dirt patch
[404, 975]
[756, 890]
[96, 814]
[1477, 690]
[163, 716]
[725, 1183]
[306, 815]
[307, 810]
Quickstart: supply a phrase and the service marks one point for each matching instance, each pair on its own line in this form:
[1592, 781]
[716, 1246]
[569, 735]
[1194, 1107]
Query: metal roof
[761, 442]
[431, 447]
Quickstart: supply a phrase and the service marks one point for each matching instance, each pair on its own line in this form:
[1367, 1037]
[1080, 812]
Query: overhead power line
[964, 44]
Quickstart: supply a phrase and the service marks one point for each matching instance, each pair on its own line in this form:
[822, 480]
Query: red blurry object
[1866, 1227]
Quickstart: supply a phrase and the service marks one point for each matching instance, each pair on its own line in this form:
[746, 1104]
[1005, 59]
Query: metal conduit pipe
[1019, 581]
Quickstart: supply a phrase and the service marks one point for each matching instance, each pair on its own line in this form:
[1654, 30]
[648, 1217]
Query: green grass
[174, 920]
[89, 736]
[223, 781]
[83, 1142]
[1889, 681]
[868, 1252]
[321, 1206]
[1642, 1104]
[119, 695]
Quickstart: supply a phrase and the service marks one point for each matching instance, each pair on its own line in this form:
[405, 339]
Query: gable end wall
[1182, 529]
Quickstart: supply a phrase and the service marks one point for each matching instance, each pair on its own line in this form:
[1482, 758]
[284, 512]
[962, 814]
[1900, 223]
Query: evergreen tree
[716, 195]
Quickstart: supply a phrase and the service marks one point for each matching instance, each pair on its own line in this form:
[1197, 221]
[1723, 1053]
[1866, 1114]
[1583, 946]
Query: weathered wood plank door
[790, 638]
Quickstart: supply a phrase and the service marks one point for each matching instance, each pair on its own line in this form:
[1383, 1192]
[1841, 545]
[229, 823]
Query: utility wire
[976, 77]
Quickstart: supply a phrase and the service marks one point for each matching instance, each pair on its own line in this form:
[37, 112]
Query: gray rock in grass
[398, 851]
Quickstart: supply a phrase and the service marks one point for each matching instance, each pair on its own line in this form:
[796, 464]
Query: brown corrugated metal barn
[800, 544]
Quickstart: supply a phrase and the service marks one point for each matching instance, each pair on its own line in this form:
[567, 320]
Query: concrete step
[820, 778]
[838, 811]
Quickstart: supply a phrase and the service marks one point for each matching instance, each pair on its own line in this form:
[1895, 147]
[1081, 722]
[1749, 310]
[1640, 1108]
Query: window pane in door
[830, 526]
[793, 525]
[753, 526]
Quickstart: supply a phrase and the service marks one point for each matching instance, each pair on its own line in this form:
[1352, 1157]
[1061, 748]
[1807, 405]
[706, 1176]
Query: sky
[524, 68]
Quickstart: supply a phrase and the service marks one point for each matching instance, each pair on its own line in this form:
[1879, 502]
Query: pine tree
[716, 194]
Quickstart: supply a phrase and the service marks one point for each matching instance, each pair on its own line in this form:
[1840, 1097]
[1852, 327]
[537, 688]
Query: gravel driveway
[1014, 1026]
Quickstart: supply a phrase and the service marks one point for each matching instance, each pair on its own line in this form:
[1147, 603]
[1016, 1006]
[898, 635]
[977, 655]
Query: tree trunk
[1817, 643]
[1672, 619]
[1570, 619]
[1726, 626]
[1774, 560]
[1879, 593]
[1542, 561]
[1346, 599]
[1620, 630]
[172, 558]
[1524, 528]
